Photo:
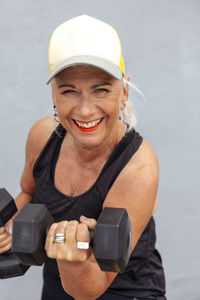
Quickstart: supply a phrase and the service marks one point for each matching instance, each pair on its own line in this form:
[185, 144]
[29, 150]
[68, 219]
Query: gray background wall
[161, 46]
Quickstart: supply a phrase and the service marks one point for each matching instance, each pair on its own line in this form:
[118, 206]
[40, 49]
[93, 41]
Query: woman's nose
[86, 106]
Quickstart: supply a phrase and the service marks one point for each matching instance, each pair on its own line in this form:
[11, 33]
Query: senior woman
[93, 159]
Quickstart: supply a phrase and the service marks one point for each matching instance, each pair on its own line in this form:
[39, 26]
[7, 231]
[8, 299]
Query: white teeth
[88, 125]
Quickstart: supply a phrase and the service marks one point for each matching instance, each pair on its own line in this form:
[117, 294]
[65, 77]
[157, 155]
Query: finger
[2, 230]
[61, 227]
[50, 246]
[82, 234]
[83, 237]
[9, 226]
[6, 242]
[50, 236]
[60, 230]
[6, 248]
[70, 234]
[91, 223]
[4, 236]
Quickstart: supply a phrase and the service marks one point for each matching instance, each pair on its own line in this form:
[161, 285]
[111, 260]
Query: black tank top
[143, 276]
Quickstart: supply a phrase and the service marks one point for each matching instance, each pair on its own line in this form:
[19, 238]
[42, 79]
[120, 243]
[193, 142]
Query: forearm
[83, 281]
[80, 274]
[22, 199]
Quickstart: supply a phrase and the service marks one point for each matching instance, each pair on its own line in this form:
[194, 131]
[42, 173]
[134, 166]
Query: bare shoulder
[42, 129]
[144, 162]
[142, 167]
[40, 133]
[37, 138]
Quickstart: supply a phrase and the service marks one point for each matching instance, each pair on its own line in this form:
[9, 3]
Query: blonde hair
[128, 114]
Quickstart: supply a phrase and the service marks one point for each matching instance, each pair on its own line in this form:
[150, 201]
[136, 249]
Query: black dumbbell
[9, 264]
[111, 239]
[7, 207]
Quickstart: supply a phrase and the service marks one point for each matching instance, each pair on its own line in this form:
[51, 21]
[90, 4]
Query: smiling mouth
[88, 126]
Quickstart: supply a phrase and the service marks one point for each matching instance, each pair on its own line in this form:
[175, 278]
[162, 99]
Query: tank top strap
[53, 144]
[128, 145]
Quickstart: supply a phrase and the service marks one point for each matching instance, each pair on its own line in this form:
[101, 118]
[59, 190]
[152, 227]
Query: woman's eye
[101, 91]
[69, 92]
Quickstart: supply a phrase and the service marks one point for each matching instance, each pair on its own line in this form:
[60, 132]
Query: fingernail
[84, 218]
[9, 229]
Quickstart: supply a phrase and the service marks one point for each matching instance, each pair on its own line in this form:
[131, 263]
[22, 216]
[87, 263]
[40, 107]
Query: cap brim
[97, 62]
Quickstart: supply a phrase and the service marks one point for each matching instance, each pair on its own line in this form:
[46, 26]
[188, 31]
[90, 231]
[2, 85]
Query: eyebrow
[93, 87]
[100, 84]
[66, 85]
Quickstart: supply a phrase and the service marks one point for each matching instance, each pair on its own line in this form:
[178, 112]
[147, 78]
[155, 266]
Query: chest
[72, 179]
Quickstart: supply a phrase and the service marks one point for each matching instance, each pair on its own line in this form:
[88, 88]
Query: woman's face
[88, 102]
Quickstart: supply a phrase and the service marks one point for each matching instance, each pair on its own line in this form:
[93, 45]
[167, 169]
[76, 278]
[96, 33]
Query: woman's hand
[74, 232]
[6, 237]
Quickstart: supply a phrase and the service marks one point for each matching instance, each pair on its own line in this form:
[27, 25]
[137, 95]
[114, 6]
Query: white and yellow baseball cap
[85, 40]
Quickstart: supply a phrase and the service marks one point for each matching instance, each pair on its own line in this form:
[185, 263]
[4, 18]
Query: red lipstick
[88, 129]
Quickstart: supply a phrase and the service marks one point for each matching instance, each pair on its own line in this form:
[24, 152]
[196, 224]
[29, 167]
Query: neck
[85, 154]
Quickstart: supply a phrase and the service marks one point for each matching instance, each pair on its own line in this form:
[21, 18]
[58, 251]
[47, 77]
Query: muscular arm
[135, 189]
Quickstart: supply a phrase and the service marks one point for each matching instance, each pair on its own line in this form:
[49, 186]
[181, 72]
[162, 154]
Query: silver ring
[82, 245]
[59, 238]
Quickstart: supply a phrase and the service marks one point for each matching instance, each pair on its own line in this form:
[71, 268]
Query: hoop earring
[55, 116]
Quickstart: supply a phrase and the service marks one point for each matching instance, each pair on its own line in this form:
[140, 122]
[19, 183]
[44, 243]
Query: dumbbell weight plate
[7, 207]
[29, 234]
[113, 239]
[10, 266]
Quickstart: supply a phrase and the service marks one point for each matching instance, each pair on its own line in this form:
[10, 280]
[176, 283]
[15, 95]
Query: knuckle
[64, 222]
[49, 251]
[70, 256]
[93, 222]
[9, 240]
[73, 223]
[83, 226]
[2, 238]
[5, 248]
[70, 228]
[60, 256]
[2, 230]
[83, 257]
[5, 243]
[50, 254]
[52, 229]
[8, 247]
[61, 226]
